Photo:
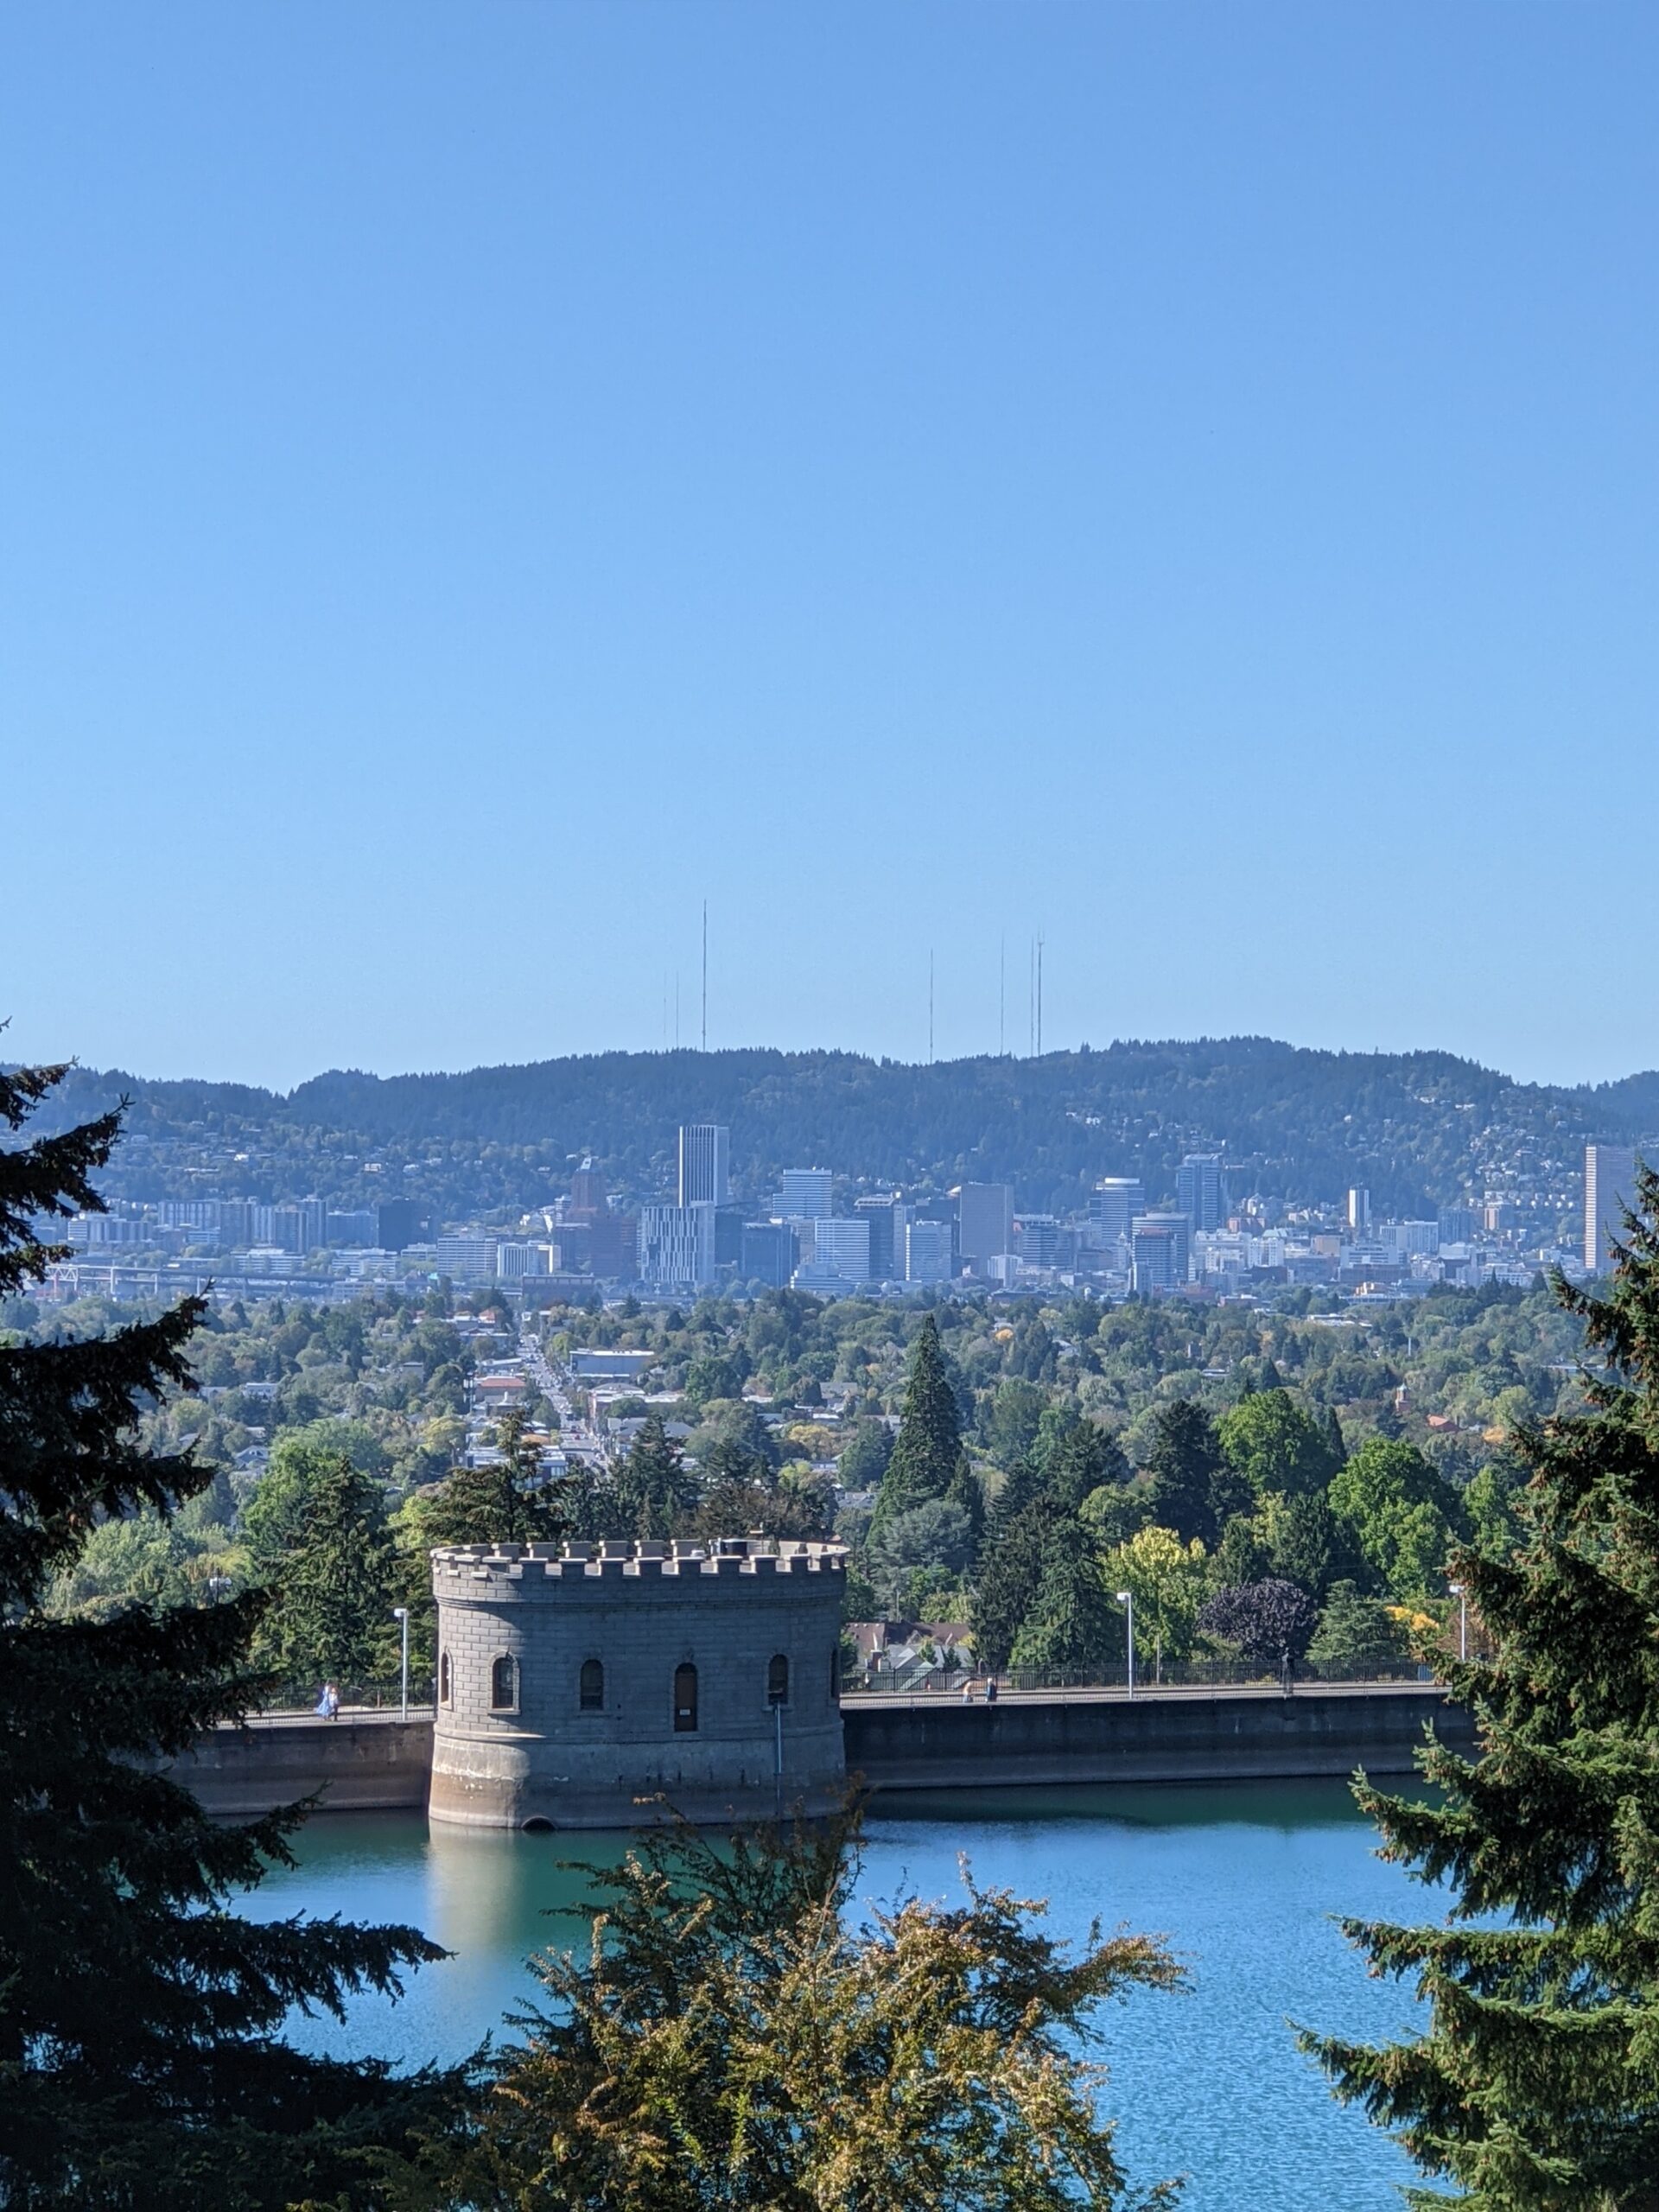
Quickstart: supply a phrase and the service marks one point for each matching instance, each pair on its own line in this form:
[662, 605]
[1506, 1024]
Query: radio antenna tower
[705, 975]
[1040, 997]
[930, 1006]
[1002, 995]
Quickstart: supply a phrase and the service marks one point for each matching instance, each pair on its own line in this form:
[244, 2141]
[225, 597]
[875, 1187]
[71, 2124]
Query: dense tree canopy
[1534, 2087]
[142, 2063]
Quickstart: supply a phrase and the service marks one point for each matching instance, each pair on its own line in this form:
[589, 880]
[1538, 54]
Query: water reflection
[1243, 1878]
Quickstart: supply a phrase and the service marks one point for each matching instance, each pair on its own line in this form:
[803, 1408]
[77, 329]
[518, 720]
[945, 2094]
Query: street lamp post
[400, 1613]
[1459, 1591]
[1126, 1598]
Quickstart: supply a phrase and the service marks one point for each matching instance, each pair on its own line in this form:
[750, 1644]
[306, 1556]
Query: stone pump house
[575, 1680]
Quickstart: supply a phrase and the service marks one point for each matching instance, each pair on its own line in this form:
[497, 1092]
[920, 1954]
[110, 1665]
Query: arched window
[685, 1701]
[443, 1679]
[503, 1685]
[778, 1679]
[593, 1686]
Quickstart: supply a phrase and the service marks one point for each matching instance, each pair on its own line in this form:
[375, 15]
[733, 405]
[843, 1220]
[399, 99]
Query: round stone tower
[574, 1681]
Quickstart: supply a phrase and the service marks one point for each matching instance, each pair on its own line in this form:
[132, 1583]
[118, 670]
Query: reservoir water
[1244, 1880]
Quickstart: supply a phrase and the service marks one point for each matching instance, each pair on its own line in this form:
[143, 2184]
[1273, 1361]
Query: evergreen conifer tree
[141, 2063]
[929, 1443]
[504, 1502]
[652, 1486]
[1535, 2087]
[1073, 1627]
[1183, 1462]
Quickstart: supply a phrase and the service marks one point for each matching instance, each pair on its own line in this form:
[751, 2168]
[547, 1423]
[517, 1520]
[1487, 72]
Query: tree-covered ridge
[1418, 1130]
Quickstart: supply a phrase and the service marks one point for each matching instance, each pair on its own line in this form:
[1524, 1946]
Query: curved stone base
[512, 1782]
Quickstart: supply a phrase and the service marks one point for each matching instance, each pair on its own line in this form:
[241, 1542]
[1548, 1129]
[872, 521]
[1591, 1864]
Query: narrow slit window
[685, 1701]
[835, 1677]
[503, 1685]
[593, 1686]
[778, 1679]
[444, 1697]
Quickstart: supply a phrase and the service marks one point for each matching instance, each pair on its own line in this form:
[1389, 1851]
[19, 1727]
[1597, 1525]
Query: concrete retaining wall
[1180, 1737]
[375, 1764]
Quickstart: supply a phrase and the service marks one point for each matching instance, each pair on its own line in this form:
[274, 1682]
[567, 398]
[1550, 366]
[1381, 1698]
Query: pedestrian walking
[990, 1691]
[328, 1703]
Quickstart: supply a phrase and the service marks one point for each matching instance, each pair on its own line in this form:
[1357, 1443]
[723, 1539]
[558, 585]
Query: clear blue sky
[478, 480]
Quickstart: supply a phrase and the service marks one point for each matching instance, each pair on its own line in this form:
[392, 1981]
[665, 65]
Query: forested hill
[1420, 1129]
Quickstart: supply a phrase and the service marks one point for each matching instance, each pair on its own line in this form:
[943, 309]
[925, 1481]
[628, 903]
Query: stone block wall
[642, 1610]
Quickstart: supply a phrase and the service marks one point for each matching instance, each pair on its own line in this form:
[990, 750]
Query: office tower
[887, 1216]
[842, 1247]
[676, 1245]
[984, 1223]
[928, 1256]
[1037, 1239]
[768, 1253]
[1359, 1211]
[1113, 1203]
[355, 1228]
[612, 1246]
[1155, 1257]
[1179, 1229]
[1609, 1188]
[467, 1259]
[705, 1149]
[1200, 1190]
[728, 1236]
[588, 1194]
[1456, 1224]
[397, 1221]
[804, 1193]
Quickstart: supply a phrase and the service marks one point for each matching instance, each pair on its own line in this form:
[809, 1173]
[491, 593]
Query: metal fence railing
[1197, 1674]
[300, 1697]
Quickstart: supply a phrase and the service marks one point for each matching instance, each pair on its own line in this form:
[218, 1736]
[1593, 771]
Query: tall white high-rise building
[676, 1245]
[804, 1193]
[1359, 1211]
[927, 1251]
[1201, 1190]
[1113, 1203]
[841, 1254]
[705, 1164]
[1609, 1187]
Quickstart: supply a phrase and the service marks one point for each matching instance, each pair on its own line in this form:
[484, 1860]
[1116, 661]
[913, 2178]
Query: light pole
[1127, 1597]
[401, 1613]
[1460, 1593]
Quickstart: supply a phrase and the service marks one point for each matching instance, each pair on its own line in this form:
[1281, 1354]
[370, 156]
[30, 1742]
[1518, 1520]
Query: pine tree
[1073, 1626]
[1010, 1576]
[506, 1501]
[652, 1488]
[1535, 2087]
[1183, 1462]
[141, 2063]
[929, 1443]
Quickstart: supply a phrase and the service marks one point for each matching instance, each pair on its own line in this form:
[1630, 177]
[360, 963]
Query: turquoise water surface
[1242, 1878]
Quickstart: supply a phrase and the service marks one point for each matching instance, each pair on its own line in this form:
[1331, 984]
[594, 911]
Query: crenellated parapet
[457, 1570]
